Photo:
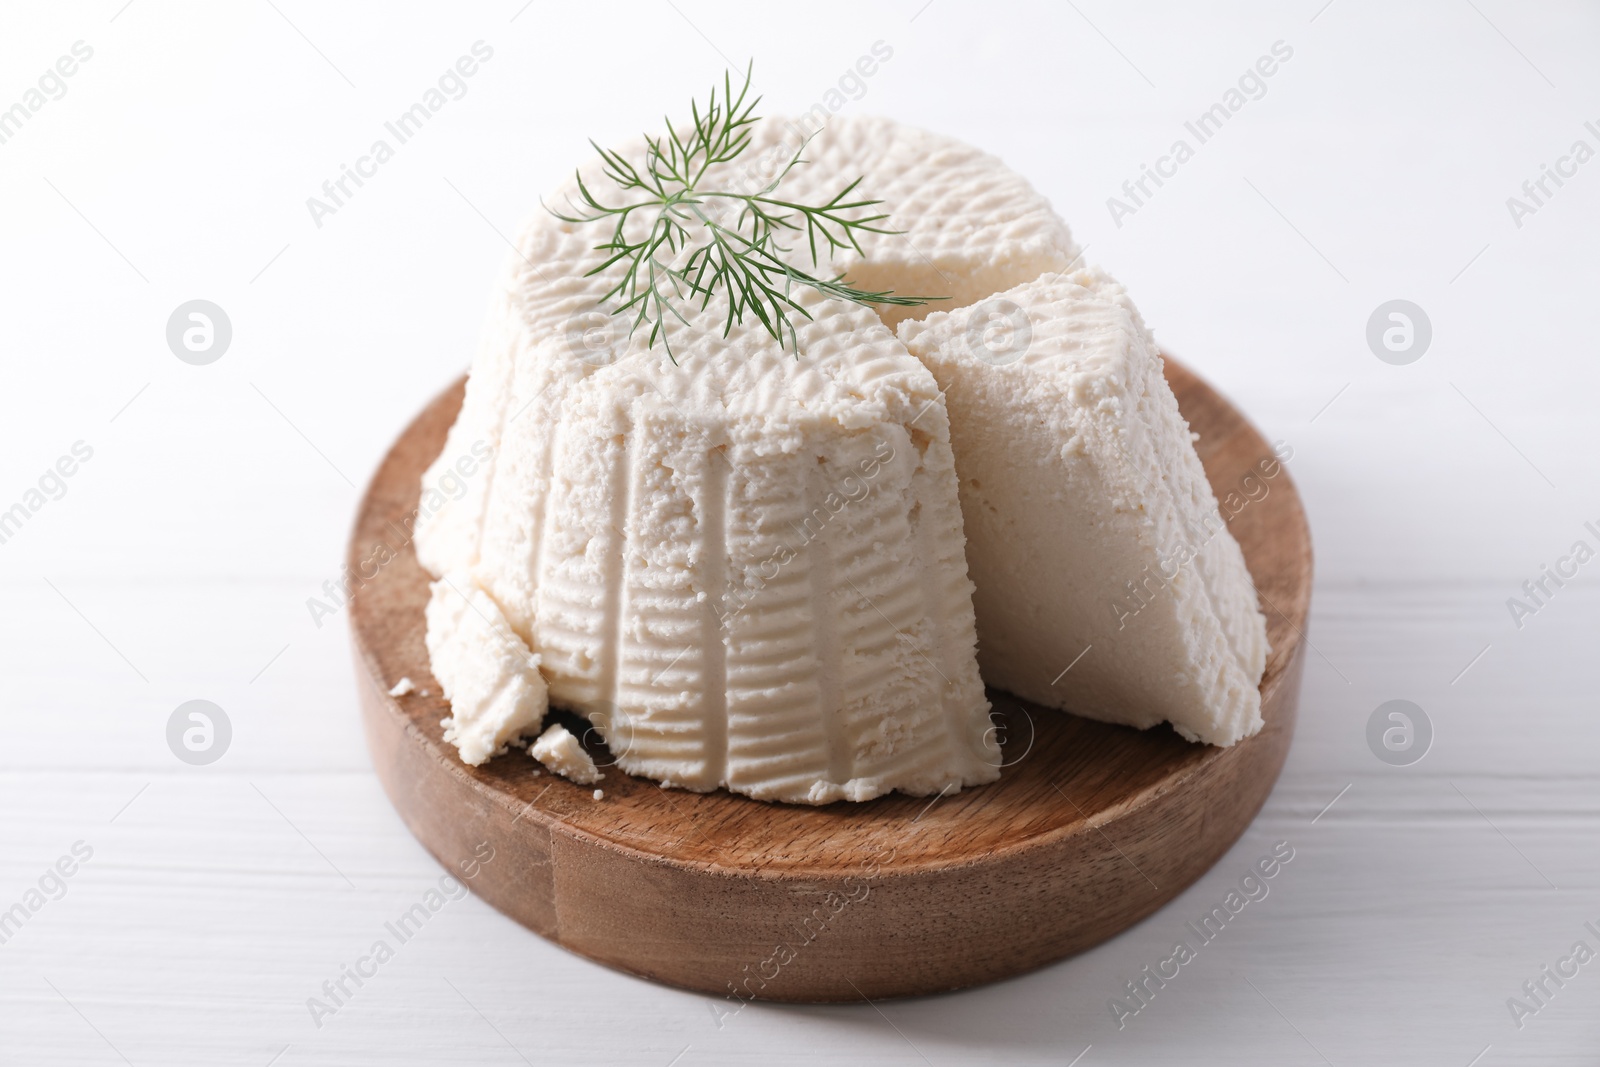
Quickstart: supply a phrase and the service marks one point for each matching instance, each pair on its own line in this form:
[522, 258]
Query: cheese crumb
[559, 751]
[599, 794]
[403, 687]
[490, 677]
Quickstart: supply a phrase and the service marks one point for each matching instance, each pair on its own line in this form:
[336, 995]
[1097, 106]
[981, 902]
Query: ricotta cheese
[486, 671]
[750, 563]
[748, 569]
[562, 754]
[1107, 581]
[404, 687]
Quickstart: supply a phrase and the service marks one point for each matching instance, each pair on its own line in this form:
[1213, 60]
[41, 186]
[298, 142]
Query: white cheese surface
[750, 562]
[967, 225]
[487, 673]
[1107, 582]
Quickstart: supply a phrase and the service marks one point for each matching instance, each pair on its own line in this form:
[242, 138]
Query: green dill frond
[745, 260]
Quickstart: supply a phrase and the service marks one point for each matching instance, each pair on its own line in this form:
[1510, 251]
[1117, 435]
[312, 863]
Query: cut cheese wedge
[1107, 582]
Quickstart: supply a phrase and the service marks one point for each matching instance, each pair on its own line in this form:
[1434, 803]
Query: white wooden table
[175, 164]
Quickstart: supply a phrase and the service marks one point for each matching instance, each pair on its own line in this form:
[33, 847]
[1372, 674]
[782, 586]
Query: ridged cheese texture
[1107, 582]
[749, 565]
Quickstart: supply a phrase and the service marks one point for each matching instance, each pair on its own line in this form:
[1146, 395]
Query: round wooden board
[1091, 827]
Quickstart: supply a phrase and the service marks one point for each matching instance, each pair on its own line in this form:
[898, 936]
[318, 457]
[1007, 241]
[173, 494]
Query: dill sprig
[745, 258]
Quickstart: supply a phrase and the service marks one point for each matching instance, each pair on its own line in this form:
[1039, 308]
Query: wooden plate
[1090, 828]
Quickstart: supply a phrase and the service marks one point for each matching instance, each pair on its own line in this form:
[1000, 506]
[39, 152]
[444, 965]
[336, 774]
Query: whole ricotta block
[1107, 581]
[749, 565]
[486, 671]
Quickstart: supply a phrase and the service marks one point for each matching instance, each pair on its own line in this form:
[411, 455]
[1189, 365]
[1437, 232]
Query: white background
[178, 564]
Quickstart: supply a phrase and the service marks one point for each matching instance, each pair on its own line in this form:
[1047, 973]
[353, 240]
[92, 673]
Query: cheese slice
[490, 677]
[1107, 582]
